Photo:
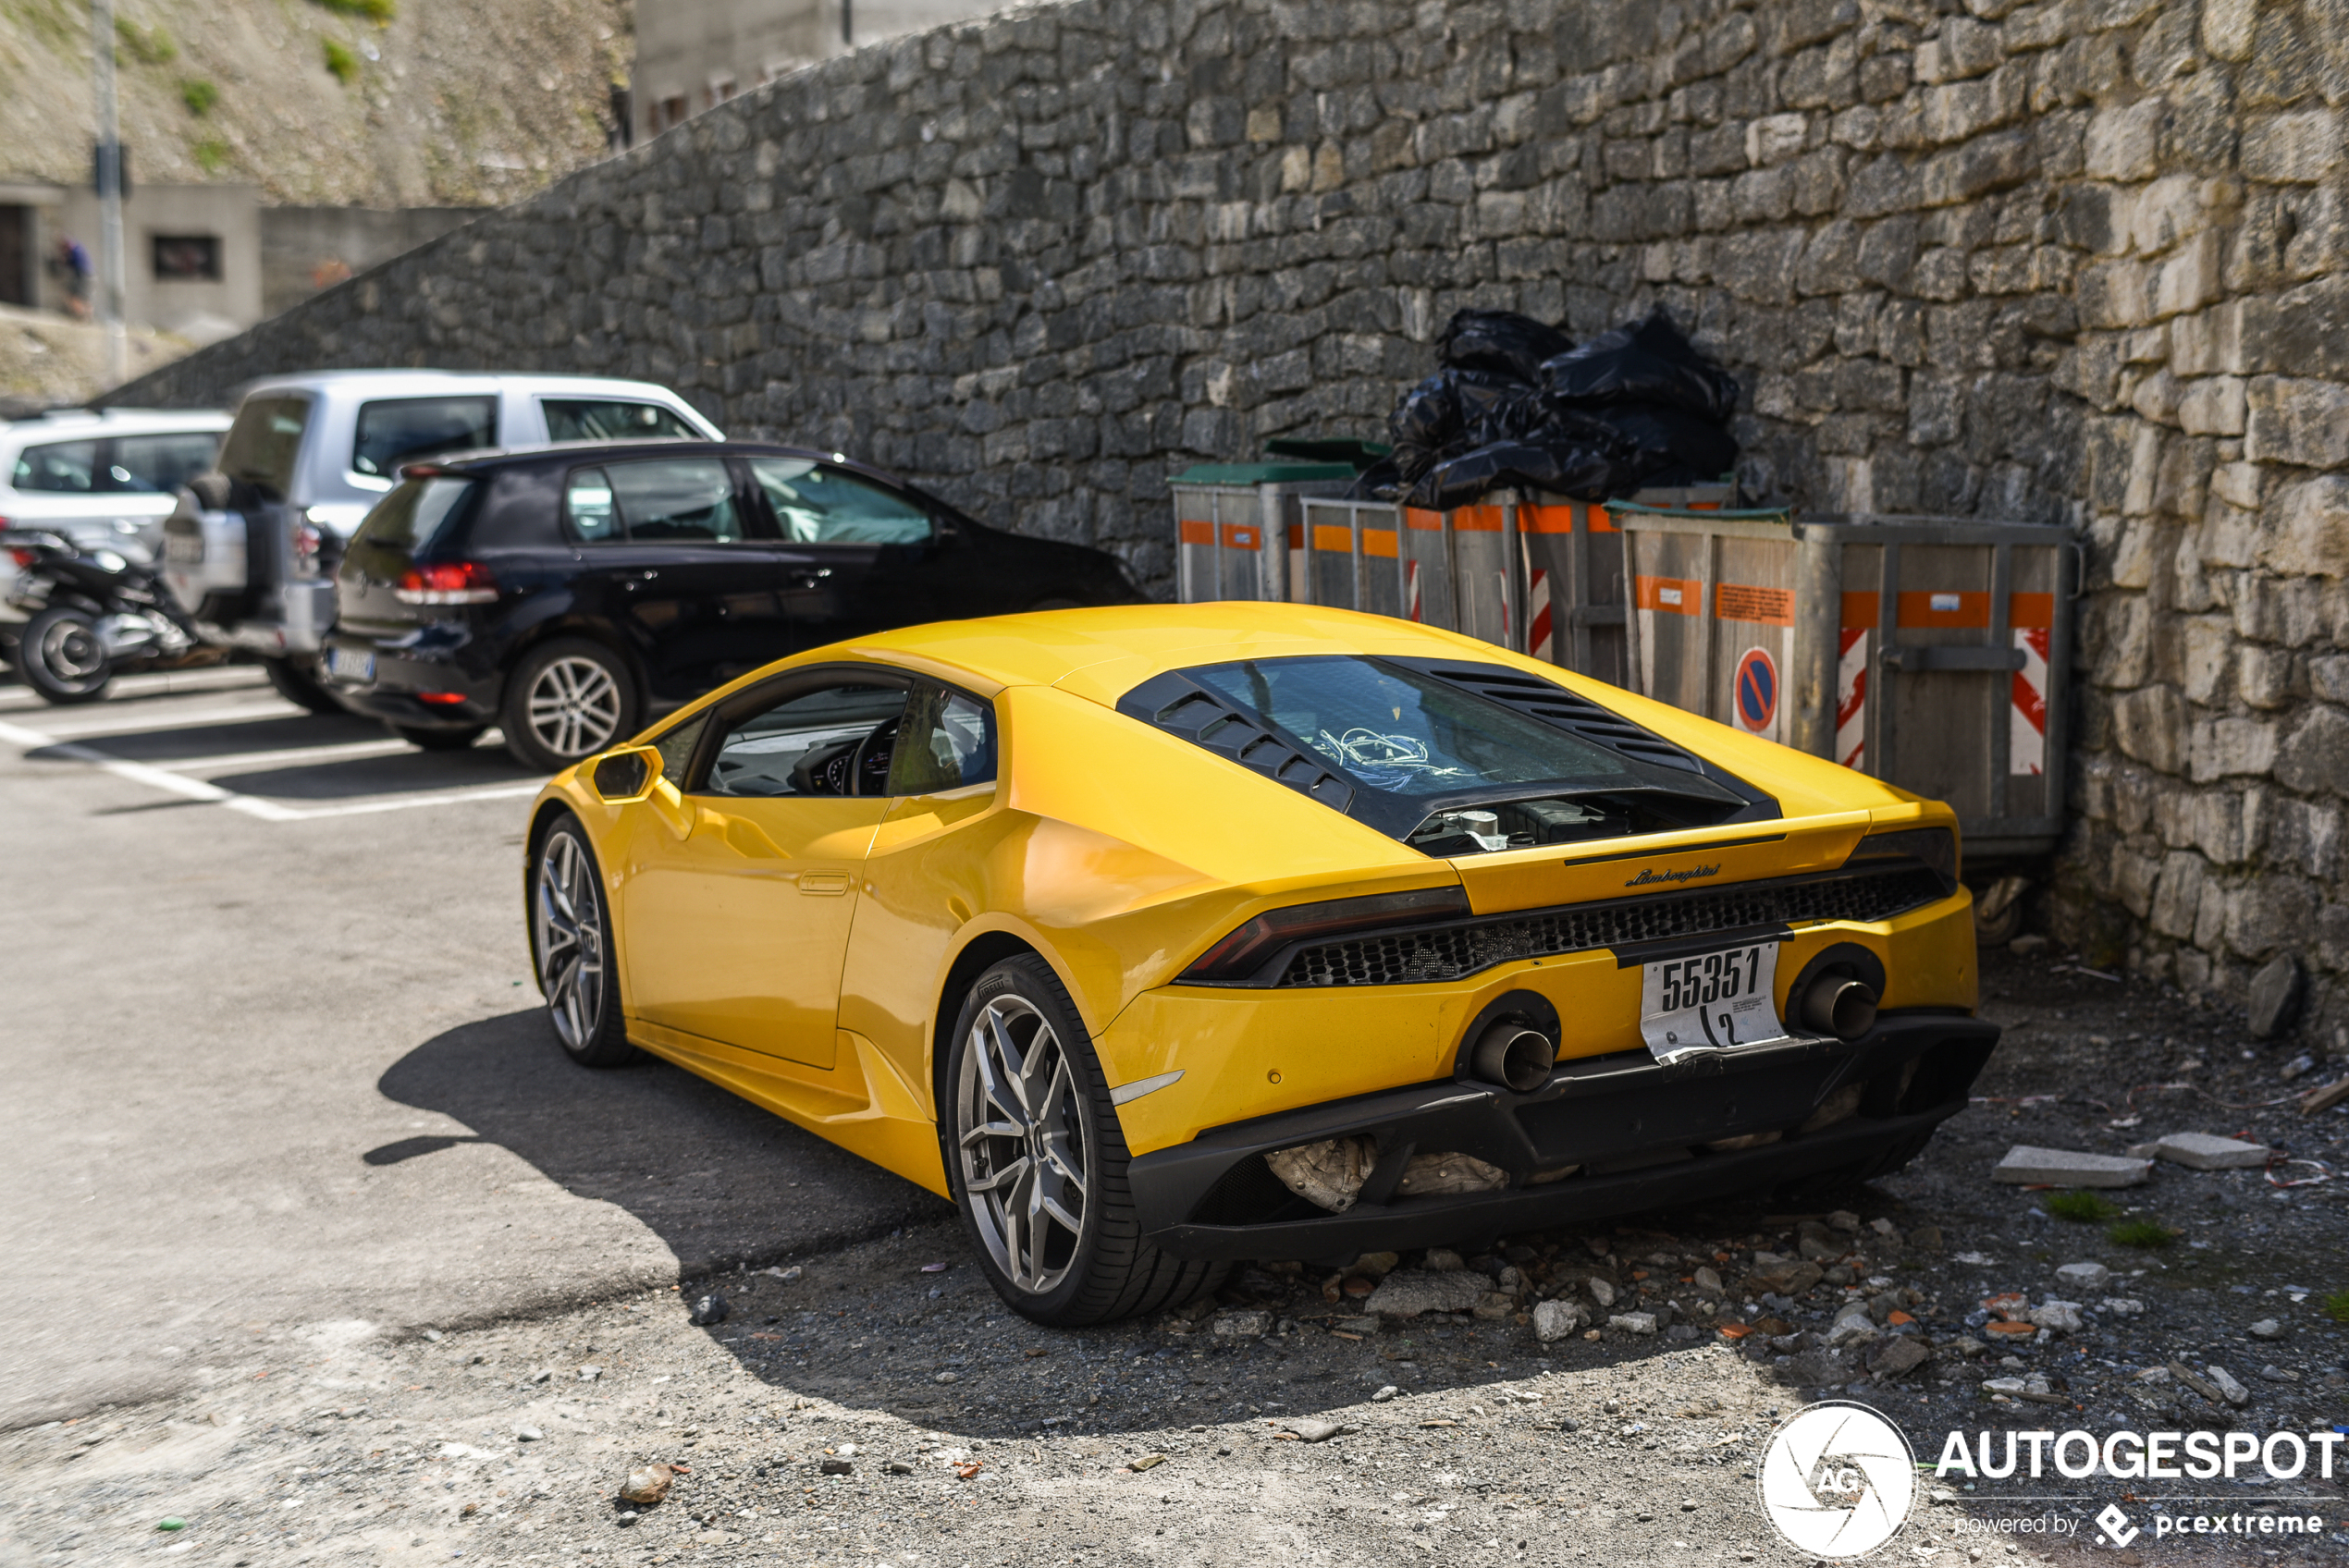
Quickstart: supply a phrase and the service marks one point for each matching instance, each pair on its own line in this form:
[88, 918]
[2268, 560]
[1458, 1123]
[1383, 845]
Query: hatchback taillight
[23, 557]
[446, 582]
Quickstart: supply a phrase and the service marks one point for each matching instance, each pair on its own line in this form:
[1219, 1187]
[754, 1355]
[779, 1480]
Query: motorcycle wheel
[438, 740]
[297, 686]
[61, 659]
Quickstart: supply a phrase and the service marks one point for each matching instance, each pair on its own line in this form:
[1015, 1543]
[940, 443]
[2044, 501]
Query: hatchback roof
[487, 457]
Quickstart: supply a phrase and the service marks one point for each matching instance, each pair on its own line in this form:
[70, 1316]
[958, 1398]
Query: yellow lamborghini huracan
[1160, 937]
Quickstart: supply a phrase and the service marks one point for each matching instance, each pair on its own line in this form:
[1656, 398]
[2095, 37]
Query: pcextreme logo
[1649, 879]
[1839, 1479]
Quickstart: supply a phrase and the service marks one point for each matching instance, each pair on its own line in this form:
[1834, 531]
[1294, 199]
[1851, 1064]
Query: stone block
[2125, 142]
[2212, 406]
[1641, 1323]
[2311, 533]
[2204, 1151]
[2300, 422]
[2301, 147]
[2230, 747]
[2274, 997]
[2315, 756]
[1554, 1320]
[2027, 1166]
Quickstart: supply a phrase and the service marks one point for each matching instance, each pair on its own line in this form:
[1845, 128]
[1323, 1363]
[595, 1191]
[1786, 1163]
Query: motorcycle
[93, 612]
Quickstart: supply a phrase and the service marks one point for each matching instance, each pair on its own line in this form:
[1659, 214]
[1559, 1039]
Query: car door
[743, 887]
[853, 554]
[672, 556]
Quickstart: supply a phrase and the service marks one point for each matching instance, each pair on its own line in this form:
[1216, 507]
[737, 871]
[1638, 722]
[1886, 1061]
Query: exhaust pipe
[1511, 1054]
[1838, 1005]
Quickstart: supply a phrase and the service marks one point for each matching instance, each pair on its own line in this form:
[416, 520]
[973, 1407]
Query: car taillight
[446, 582]
[308, 540]
[1246, 951]
[441, 699]
[23, 557]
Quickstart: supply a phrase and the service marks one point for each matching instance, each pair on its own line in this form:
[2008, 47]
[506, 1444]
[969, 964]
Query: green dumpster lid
[1327, 449]
[1262, 473]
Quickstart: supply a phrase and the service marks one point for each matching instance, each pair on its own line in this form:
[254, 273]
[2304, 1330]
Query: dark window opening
[187, 258]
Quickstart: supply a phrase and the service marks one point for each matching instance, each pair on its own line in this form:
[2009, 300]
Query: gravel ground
[962, 1435]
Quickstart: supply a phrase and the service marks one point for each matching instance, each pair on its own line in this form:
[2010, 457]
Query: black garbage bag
[1502, 342]
[1697, 450]
[1642, 361]
[1587, 468]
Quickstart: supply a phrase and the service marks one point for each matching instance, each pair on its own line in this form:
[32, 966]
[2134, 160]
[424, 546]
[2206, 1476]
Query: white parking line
[169, 684]
[127, 722]
[179, 784]
[297, 754]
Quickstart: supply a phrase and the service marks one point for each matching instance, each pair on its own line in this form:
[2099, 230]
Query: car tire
[1020, 1058]
[60, 657]
[566, 700]
[438, 740]
[300, 688]
[572, 952]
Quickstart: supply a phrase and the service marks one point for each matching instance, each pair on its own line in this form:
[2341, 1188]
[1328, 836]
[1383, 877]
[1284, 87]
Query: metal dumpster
[1933, 653]
[1233, 520]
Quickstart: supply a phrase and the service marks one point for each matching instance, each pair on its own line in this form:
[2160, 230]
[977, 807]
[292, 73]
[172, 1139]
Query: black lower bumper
[1635, 1128]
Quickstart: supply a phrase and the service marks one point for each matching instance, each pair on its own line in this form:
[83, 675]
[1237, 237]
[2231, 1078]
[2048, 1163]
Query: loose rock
[1557, 1319]
[646, 1485]
[2204, 1151]
[2026, 1165]
[1633, 1322]
[1315, 1431]
[711, 1309]
[2274, 996]
[2266, 1328]
[2084, 1276]
[1242, 1325]
[1406, 1293]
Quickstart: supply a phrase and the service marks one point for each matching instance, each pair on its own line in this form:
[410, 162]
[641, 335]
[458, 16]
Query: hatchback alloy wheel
[1025, 1158]
[569, 918]
[573, 707]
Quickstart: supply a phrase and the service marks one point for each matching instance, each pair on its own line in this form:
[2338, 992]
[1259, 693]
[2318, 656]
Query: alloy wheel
[1026, 1158]
[571, 940]
[573, 706]
[71, 651]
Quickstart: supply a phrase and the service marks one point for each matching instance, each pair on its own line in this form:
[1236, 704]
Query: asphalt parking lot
[322, 1251]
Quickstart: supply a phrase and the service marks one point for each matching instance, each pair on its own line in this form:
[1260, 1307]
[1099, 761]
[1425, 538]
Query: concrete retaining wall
[2066, 261]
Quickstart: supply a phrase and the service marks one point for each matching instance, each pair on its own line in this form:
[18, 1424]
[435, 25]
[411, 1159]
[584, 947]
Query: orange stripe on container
[1741, 600]
[1545, 520]
[1860, 612]
[1243, 536]
[1379, 541]
[2031, 611]
[1673, 596]
[1424, 520]
[1600, 522]
[1197, 531]
[1477, 520]
[1944, 609]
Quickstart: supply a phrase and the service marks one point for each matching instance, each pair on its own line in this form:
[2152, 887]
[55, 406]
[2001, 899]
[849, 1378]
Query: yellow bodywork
[797, 949]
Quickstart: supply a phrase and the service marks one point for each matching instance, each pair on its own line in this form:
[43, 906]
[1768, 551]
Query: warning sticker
[1738, 601]
[1756, 691]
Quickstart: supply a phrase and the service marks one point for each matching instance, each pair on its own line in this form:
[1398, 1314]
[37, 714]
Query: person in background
[72, 267]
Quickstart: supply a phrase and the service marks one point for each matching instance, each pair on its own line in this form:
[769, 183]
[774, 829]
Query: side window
[676, 748]
[587, 504]
[159, 465]
[815, 505]
[677, 498]
[404, 430]
[595, 419]
[69, 466]
[833, 741]
[944, 741]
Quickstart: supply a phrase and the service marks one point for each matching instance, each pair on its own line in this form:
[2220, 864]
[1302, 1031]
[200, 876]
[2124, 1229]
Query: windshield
[1451, 771]
[406, 429]
[261, 444]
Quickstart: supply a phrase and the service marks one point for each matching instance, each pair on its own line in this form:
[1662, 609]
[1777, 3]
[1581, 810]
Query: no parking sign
[1754, 692]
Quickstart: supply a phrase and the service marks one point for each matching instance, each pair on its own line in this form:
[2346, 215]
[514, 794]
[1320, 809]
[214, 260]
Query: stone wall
[2070, 261]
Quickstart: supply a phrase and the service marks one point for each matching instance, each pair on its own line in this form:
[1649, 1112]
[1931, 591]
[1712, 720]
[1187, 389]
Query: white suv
[101, 478]
[252, 549]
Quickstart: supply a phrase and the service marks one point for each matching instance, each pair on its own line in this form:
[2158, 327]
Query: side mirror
[626, 776]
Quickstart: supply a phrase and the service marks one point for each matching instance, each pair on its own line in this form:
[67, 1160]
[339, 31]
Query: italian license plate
[183, 550]
[1710, 1002]
[349, 664]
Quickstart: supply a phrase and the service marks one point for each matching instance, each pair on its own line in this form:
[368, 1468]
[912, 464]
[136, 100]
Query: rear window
[159, 465]
[404, 430]
[589, 419]
[262, 445]
[815, 505]
[407, 522]
[68, 467]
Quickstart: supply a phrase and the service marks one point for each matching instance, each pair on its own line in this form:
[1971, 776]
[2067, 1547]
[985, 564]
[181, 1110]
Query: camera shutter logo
[1839, 1479]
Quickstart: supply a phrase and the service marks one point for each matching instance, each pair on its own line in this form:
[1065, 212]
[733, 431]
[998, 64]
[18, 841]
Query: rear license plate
[349, 664]
[183, 550]
[1710, 1002]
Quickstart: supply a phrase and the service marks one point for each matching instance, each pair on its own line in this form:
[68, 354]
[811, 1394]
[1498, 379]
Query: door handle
[823, 883]
[809, 576]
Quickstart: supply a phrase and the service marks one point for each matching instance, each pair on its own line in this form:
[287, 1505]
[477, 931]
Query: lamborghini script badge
[1649, 878]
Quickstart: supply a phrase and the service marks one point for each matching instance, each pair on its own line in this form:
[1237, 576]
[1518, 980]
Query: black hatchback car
[569, 593]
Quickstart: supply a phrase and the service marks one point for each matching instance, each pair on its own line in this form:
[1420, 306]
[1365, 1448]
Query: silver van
[251, 550]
